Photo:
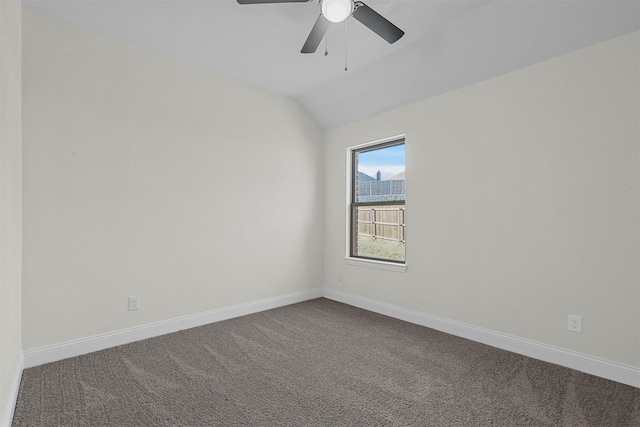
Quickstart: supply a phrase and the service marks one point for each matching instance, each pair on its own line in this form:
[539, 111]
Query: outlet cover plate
[575, 323]
[134, 303]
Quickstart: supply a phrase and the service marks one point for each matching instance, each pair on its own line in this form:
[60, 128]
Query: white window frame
[364, 262]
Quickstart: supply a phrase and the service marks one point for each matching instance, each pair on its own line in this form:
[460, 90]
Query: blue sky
[389, 161]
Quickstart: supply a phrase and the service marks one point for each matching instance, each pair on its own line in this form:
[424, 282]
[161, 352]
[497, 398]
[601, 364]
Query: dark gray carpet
[318, 363]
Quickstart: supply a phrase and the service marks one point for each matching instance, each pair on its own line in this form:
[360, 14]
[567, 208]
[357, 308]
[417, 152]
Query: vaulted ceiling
[447, 44]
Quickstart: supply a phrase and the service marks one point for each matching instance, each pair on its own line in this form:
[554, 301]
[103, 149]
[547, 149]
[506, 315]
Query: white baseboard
[592, 365]
[40, 356]
[13, 395]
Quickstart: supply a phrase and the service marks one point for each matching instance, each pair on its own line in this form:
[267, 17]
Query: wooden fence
[381, 222]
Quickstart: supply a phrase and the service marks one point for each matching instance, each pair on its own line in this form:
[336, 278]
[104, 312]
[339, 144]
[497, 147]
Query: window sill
[382, 265]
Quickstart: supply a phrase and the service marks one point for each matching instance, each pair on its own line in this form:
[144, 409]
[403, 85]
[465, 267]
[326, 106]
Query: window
[378, 194]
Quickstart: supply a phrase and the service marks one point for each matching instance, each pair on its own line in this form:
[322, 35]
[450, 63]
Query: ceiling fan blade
[377, 23]
[270, 1]
[317, 34]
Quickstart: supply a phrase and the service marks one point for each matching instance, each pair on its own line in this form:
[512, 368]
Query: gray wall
[145, 176]
[10, 205]
[522, 203]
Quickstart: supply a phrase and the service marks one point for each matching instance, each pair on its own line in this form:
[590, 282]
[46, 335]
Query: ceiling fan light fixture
[336, 10]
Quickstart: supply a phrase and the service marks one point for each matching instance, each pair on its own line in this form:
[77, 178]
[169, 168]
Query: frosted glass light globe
[337, 10]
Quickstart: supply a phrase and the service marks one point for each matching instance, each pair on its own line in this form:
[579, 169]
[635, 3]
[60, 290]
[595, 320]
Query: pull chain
[326, 44]
[345, 46]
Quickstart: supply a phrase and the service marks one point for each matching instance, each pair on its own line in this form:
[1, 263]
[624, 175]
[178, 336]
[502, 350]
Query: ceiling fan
[338, 11]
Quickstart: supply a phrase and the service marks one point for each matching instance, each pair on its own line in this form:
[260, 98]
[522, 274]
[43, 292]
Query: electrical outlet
[134, 303]
[575, 323]
[340, 276]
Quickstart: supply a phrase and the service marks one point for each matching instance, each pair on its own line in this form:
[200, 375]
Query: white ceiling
[448, 43]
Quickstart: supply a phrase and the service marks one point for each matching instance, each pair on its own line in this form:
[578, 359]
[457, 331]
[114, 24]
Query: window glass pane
[380, 174]
[380, 232]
